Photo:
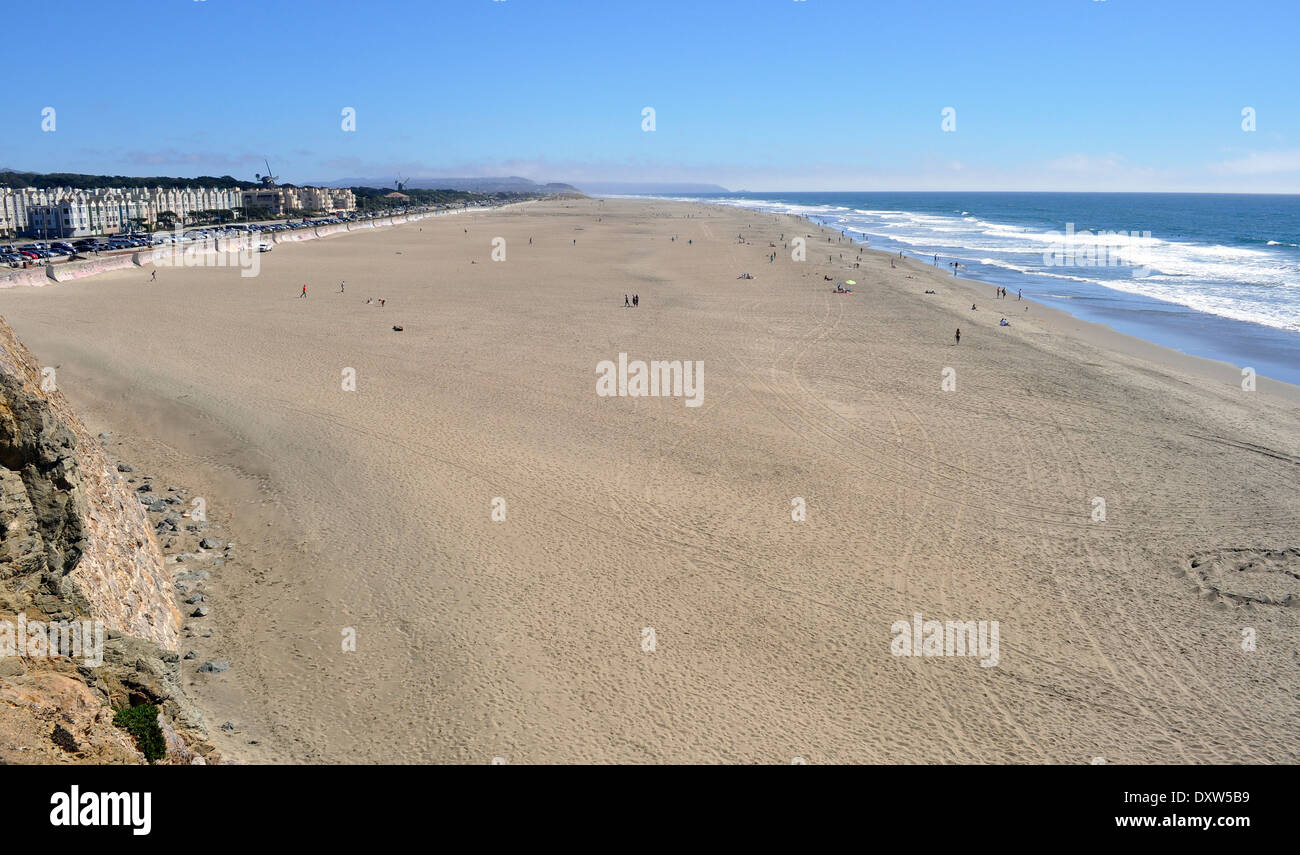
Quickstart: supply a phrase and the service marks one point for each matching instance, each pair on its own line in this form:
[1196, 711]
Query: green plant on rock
[142, 723]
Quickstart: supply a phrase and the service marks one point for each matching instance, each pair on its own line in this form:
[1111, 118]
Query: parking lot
[18, 255]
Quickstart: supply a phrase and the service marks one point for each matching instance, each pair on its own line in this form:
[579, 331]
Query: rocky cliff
[69, 527]
[76, 545]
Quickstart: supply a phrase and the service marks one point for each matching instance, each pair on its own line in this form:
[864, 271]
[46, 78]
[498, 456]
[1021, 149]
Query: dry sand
[522, 639]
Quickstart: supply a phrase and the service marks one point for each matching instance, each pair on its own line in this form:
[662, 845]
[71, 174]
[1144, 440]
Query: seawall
[90, 267]
[70, 270]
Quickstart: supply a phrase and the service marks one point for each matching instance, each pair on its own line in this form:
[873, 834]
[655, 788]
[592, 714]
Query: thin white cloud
[1262, 163]
[1086, 163]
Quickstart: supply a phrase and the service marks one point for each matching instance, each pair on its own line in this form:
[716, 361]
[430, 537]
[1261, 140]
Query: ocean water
[1208, 274]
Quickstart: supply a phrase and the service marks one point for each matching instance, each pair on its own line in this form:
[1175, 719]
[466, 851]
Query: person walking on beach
[304, 292]
[153, 276]
[341, 284]
[1019, 294]
[626, 303]
[958, 336]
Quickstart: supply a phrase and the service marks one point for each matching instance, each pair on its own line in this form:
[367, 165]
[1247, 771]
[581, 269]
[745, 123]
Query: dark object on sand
[396, 328]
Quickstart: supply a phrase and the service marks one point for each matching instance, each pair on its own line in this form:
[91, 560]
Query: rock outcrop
[70, 529]
[76, 545]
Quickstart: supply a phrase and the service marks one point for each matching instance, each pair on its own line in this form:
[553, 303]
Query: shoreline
[1092, 333]
[1174, 333]
[521, 639]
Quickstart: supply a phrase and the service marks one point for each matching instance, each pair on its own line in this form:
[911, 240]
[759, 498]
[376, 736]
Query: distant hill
[512, 184]
[632, 188]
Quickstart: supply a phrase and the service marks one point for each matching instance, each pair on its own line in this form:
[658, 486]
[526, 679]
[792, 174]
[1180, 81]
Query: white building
[74, 216]
[307, 200]
[72, 212]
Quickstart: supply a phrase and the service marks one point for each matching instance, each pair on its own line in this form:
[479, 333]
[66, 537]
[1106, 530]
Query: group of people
[635, 301]
[1001, 293]
[343, 290]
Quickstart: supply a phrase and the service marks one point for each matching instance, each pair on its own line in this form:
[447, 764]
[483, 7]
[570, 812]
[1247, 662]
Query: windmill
[401, 184]
[268, 180]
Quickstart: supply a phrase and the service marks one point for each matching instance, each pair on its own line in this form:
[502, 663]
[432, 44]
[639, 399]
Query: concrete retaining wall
[295, 235]
[43, 275]
[11, 278]
[91, 267]
[239, 244]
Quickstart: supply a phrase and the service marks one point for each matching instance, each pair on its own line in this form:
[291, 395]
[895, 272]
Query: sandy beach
[648, 596]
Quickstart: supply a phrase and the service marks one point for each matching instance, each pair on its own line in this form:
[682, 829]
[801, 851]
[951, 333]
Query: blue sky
[762, 95]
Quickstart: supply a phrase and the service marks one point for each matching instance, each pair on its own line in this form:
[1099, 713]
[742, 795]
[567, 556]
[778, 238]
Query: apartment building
[73, 212]
[74, 217]
[305, 200]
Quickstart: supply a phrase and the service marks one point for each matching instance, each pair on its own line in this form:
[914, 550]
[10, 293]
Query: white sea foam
[1250, 284]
